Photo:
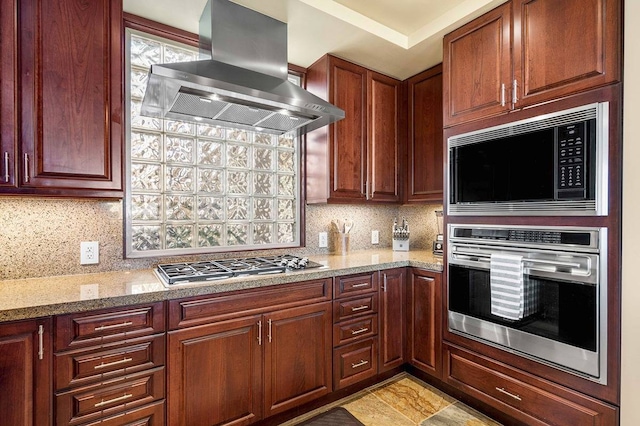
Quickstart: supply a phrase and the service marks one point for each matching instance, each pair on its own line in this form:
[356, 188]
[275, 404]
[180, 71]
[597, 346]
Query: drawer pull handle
[514, 396]
[360, 364]
[109, 401]
[362, 330]
[360, 285]
[359, 308]
[110, 364]
[109, 327]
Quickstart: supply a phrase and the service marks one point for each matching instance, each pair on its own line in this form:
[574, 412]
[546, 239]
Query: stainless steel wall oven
[557, 289]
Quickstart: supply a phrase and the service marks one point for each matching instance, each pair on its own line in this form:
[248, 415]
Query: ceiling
[396, 37]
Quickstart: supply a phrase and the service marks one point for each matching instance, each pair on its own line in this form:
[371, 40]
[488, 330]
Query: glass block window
[196, 188]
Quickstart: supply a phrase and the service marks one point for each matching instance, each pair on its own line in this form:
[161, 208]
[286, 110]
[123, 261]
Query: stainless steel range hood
[245, 84]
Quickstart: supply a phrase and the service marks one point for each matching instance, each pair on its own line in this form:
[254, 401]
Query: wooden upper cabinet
[565, 47]
[424, 153]
[384, 137]
[354, 160]
[8, 126]
[70, 97]
[477, 67]
[528, 52]
[348, 139]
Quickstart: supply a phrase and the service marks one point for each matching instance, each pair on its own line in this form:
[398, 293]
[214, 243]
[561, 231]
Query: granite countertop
[37, 297]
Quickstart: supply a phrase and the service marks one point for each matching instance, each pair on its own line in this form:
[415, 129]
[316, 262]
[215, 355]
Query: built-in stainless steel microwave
[553, 164]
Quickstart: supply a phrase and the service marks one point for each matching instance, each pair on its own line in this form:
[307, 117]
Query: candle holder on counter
[400, 235]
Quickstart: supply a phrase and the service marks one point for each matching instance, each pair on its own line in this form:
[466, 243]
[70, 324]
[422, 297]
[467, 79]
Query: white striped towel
[507, 286]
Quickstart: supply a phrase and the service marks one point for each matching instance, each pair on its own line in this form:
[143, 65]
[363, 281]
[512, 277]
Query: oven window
[566, 311]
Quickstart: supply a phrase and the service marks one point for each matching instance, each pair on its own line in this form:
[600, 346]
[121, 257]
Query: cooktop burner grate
[189, 272]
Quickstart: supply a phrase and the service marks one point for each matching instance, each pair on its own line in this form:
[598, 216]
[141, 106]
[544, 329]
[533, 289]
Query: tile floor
[405, 401]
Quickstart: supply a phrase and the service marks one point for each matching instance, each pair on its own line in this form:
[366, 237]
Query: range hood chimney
[245, 83]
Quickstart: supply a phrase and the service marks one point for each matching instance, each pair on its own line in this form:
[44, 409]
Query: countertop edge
[50, 309]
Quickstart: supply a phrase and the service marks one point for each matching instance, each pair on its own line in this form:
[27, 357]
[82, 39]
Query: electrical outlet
[322, 240]
[375, 237]
[89, 253]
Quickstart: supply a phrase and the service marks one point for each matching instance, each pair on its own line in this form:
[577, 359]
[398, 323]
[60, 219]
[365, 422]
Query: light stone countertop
[37, 297]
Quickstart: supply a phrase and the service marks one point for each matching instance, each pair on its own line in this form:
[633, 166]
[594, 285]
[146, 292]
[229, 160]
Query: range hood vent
[245, 83]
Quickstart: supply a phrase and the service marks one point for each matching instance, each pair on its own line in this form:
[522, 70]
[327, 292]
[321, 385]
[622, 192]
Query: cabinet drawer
[352, 285]
[534, 402]
[355, 362]
[149, 415]
[349, 308]
[356, 329]
[107, 398]
[108, 325]
[205, 309]
[84, 366]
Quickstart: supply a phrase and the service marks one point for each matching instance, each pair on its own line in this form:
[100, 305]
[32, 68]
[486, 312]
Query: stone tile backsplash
[41, 237]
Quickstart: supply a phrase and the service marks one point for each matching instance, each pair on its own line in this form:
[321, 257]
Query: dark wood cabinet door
[70, 77]
[384, 97]
[424, 321]
[392, 316]
[215, 373]
[8, 108]
[297, 356]
[565, 47]
[348, 137]
[477, 68]
[425, 159]
[25, 373]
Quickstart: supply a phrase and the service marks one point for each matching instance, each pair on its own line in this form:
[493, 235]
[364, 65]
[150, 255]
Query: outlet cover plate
[89, 253]
[323, 240]
[375, 237]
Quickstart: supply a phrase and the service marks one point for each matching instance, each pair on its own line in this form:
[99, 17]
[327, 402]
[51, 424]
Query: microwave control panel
[571, 156]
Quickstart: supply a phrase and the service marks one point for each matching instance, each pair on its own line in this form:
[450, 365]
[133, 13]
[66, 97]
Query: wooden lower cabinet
[25, 373]
[392, 317]
[217, 369]
[424, 318]
[520, 395]
[215, 373]
[297, 354]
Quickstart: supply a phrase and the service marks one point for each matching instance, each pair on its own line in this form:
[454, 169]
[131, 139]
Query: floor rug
[334, 417]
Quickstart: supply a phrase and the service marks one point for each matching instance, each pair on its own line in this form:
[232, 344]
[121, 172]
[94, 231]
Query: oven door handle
[540, 261]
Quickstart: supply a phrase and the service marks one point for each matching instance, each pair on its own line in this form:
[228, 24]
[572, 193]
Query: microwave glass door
[516, 168]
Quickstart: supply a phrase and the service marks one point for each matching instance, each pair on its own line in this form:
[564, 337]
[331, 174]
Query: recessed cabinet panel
[25, 373]
[425, 159]
[8, 108]
[424, 316]
[215, 373]
[477, 67]
[70, 94]
[348, 147]
[566, 46]
[384, 137]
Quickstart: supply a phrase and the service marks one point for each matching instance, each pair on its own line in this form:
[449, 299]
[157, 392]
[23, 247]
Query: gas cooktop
[213, 270]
